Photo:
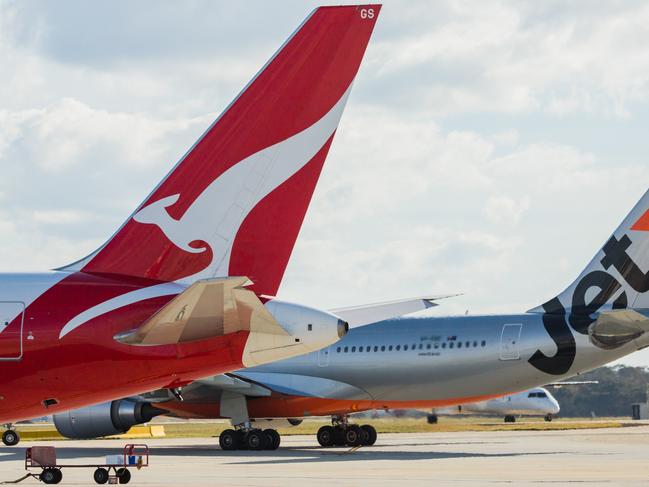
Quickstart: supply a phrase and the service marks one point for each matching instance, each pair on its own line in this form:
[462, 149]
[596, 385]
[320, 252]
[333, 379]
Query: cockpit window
[537, 394]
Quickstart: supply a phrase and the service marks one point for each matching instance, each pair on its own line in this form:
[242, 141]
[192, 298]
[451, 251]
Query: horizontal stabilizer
[372, 313]
[617, 327]
[207, 309]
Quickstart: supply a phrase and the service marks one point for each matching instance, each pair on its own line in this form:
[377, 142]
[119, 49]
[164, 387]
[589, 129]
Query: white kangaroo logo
[218, 212]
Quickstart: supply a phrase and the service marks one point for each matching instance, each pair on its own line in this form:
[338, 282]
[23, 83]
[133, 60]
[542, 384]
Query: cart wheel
[10, 438]
[59, 475]
[123, 475]
[101, 475]
[49, 476]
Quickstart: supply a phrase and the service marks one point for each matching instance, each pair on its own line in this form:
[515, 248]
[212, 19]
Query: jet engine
[108, 418]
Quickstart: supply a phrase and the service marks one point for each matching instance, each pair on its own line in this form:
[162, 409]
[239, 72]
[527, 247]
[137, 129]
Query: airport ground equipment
[114, 470]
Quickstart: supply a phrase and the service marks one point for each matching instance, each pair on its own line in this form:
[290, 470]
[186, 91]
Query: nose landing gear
[341, 433]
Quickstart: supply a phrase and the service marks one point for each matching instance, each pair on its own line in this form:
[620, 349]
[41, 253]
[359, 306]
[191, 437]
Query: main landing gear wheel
[101, 475]
[354, 435]
[230, 440]
[325, 436]
[123, 475]
[431, 418]
[510, 419]
[10, 437]
[548, 417]
[51, 476]
[273, 439]
[370, 434]
[256, 440]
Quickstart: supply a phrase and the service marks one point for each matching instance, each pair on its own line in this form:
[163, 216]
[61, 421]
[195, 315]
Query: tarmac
[615, 456]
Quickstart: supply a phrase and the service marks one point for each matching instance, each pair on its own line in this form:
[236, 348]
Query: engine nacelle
[263, 423]
[313, 328]
[105, 419]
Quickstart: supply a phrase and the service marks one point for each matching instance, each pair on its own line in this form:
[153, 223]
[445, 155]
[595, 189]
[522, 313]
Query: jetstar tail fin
[616, 278]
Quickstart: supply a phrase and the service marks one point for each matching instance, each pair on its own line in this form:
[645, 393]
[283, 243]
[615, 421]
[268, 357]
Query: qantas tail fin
[617, 278]
[234, 204]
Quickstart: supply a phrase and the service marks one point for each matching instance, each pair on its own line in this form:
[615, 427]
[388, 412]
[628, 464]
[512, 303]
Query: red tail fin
[235, 203]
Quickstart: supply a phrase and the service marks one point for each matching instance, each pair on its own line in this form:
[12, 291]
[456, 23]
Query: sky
[488, 148]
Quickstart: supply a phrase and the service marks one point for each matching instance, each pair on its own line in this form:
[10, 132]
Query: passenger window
[451, 345]
[360, 349]
[346, 349]
[459, 344]
[483, 343]
[353, 349]
[376, 348]
[390, 348]
[383, 348]
[338, 350]
[421, 346]
[398, 347]
[475, 343]
[405, 348]
[467, 344]
[444, 345]
[436, 346]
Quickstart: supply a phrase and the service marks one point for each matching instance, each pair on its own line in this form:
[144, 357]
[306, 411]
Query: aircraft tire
[229, 440]
[256, 440]
[10, 437]
[274, 439]
[326, 436]
[510, 419]
[339, 436]
[354, 435]
[548, 417]
[370, 434]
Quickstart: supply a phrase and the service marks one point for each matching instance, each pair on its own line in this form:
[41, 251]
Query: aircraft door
[323, 357]
[509, 338]
[12, 315]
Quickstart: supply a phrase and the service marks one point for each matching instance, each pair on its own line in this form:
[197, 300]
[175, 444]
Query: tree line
[618, 388]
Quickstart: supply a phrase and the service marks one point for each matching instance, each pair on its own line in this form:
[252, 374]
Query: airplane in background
[185, 288]
[432, 362]
[537, 401]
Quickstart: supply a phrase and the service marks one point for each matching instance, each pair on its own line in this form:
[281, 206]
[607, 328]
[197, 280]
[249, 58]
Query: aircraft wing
[206, 309]
[371, 313]
[563, 383]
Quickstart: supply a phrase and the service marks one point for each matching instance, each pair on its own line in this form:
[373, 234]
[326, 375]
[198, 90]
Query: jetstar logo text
[560, 325]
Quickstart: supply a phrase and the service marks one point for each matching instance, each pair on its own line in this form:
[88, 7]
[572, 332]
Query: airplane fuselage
[421, 362]
[44, 372]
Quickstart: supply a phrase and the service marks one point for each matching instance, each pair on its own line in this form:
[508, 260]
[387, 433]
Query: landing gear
[10, 437]
[274, 439]
[510, 419]
[249, 439]
[548, 417]
[431, 418]
[341, 433]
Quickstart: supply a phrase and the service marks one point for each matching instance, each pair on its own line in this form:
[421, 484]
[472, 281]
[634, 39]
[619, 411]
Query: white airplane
[537, 401]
